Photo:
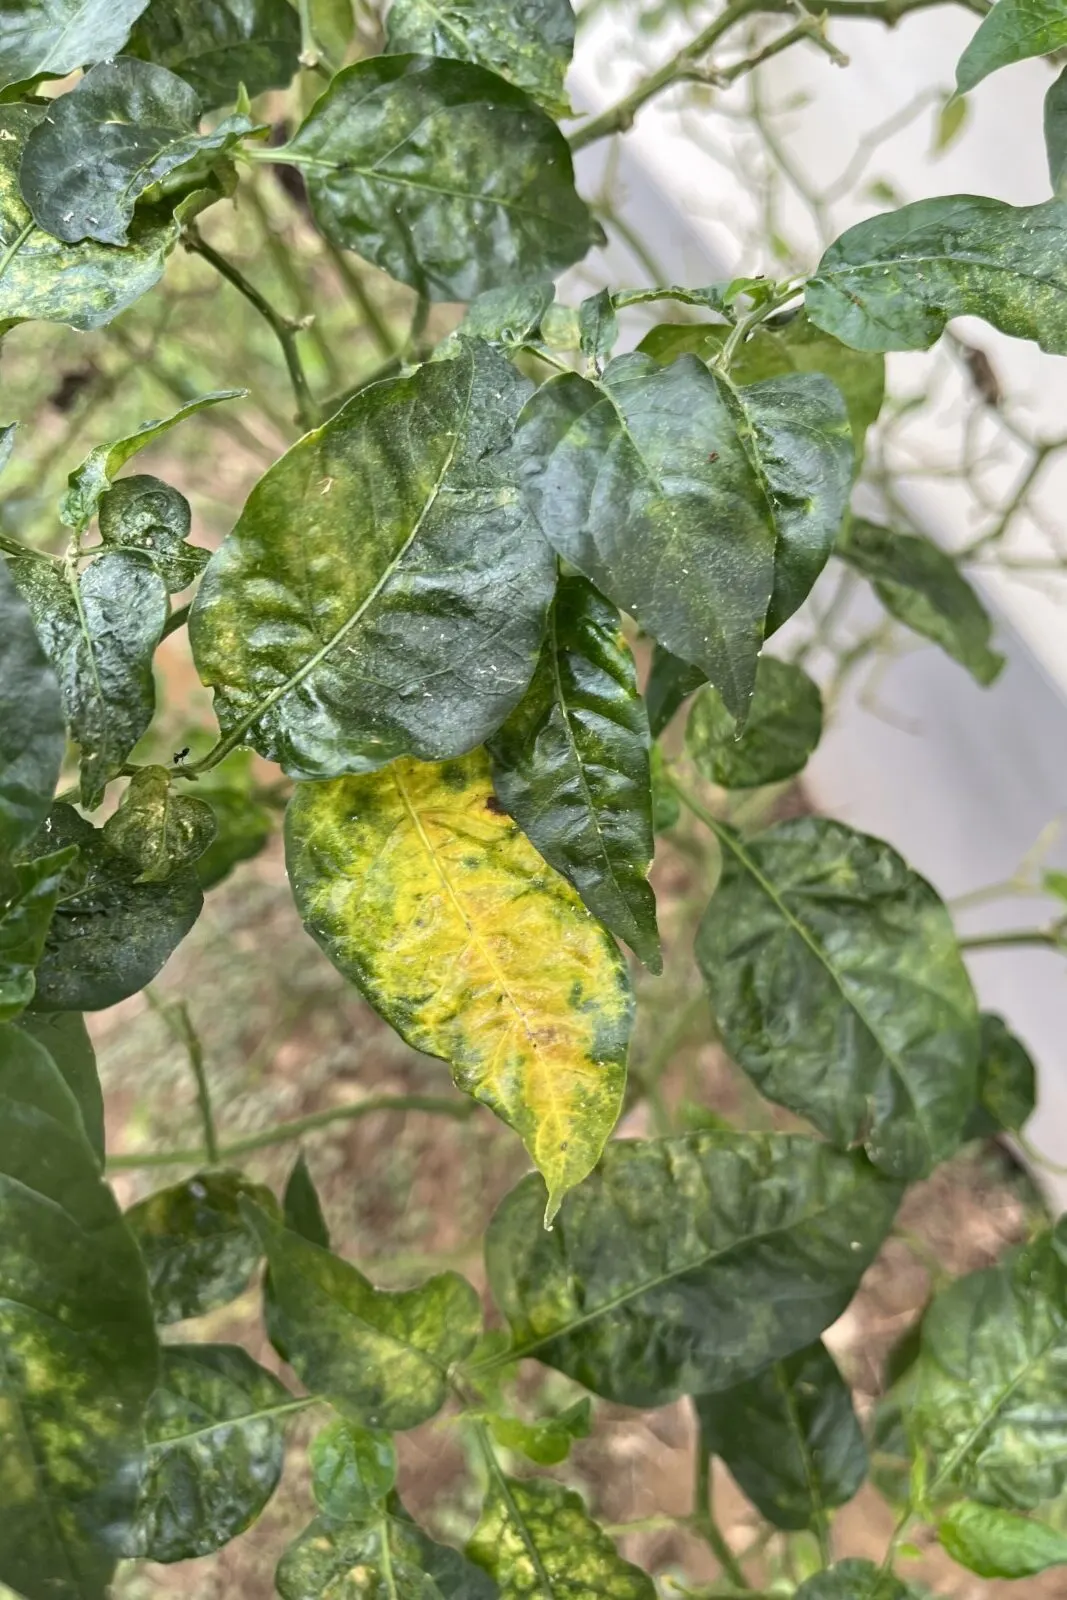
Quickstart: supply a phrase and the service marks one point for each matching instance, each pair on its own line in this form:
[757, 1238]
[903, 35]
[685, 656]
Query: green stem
[312, 55]
[357, 291]
[177, 619]
[703, 1519]
[180, 1026]
[1047, 938]
[12, 547]
[295, 281]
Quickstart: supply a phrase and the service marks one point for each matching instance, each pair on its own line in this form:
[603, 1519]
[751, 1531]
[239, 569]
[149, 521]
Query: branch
[1054, 938]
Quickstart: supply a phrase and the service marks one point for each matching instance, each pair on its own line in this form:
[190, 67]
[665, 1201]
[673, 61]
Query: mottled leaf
[301, 1207]
[855, 1579]
[531, 45]
[670, 682]
[1000, 1544]
[29, 893]
[243, 824]
[1056, 134]
[383, 1557]
[922, 587]
[32, 727]
[78, 1353]
[1007, 1082]
[571, 766]
[790, 1438]
[199, 1250]
[893, 282]
[444, 175]
[686, 1265]
[507, 317]
[49, 38]
[837, 982]
[141, 513]
[1013, 30]
[221, 47]
[548, 1440]
[353, 1469]
[423, 892]
[385, 591]
[783, 728]
[382, 1358]
[157, 828]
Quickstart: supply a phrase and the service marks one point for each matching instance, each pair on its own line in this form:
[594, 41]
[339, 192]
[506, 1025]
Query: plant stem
[357, 291]
[703, 1519]
[180, 1025]
[1053, 938]
[177, 619]
[295, 280]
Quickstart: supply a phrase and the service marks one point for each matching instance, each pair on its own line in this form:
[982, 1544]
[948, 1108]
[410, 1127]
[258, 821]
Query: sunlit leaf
[381, 1557]
[531, 45]
[1000, 1544]
[783, 728]
[548, 1440]
[49, 38]
[29, 893]
[157, 828]
[141, 513]
[32, 726]
[66, 1038]
[1013, 30]
[221, 47]
[353, 1469]
[1007, 1082]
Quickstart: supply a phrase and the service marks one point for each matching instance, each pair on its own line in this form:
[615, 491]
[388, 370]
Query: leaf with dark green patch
[381, 1358]
[385, 590]
[571, 766]
[1007, 1082]
[783, 728]
[529, 45]
[49, 38]
[687, 1265]
[1056, 134]
[1000, 1544]
[670, 682]
[790, 1437]
[381, 1557]
[893, 282]
[29, 893]
[32, 725]
[302, 1208]
[157, 828]
[922, 587]
[837, 982]
[444, 175]
[243, 824]
[66, 1038]
[198, 1248]
[353, 1469]
[141, 513]
[221, 47]
[855, 1579]
[78, 1350]
[548, 1440]
[1013, 30]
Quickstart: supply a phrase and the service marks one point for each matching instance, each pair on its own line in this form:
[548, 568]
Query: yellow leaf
[423, 892]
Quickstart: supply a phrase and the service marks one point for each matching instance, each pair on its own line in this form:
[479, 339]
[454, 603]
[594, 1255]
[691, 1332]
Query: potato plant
[420, 618]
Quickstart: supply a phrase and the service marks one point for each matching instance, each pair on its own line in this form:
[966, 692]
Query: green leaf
[353, 1469]
[1007, 1082]
[385, 1557]
[141, 513]
[893, 282]
[221, 47]
[158, 829]
[99, 629]
[529, 45]
[571, 766]
[598, 327]
[855, 1579]
[381, 1358]
[783, 728]
[548, 1440]
[790, 1438]
[1014, 30]
[215, 1451]
[421, 890]
[670, 681]
[442, 174]
[32, 726]
[66, 1038]
[507, 317]
[29, 893]
[49, 38]
[301, 1207]
[643, 482]
[837, 982]
[686, 1265]
[77, 1347]
[922, 587]
[536, 1537]
[1056, 134]
[243, 824]
[385, 591]
[1000, 1544]
[951, 119]
[84, 285]
[198, 1248]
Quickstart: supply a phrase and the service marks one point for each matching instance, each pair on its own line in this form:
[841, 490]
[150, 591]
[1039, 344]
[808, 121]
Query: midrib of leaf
[943, 260]
[543, 1579]
[15, 246]
[785, 1389]
[282, 1409]
[376, 175]
[448, 26]
[83, 624]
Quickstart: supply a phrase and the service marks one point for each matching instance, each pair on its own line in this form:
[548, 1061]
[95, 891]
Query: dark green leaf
[783, 728]
[923, 588]
[66, 1038]
[78, 1349]
[1014, 30]
[353, 1469]
[686, 1265]
[99, 630]
[49, 38]
[1056, 134]
[384, 592]
[157, 828]
[1000, 1544]
[442, 174]
[29, 892]
[221, 47]
[301, 1207]
[381, 1358]
[548, 1440]
[893, 282]
[571, 766]
[670, 681]
[7, 443]
[837, 982]
[83, 285]
[507, 317]
[141, 513]
[530, 45]
[790, 1438]
[1007, 1082]
[215, 1451]
[598, 327]
[199, 1251]
[32, 727]
[110, 935]
[243, 824]
[855, 1580]
[385, 1557]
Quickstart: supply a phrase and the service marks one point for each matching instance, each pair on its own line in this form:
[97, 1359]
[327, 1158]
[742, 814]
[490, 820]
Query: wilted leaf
[686, 1265]
[670, 682]
[548, 1440]
[49, 38]
[32, 726]
[385, 591]
[1056, 134]
[384, 1557]
[29, 892]
[1000, 1544]
[783, 728]
[222, 47]
[66, 1038]
[157, 828]
[353, 1469]
[423, 891]
[1007, 1082]
[141, 513]
[1013, 30]
[531, 45]
[837, 982]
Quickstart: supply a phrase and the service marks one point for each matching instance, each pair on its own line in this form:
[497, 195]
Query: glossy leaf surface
[219, 48]
[158, 828]
[423, 891]
[444, 175]
[29, 893]
[529, 45]
[1000, 1544]
[1007, 1082]
[1013, 30]
[32, 726]
[535, 1537]
[381, 1557]
[66, 1038]
[686, 1265]
[385, 590]
[353, 1469]
[783, 728]
[837, 982]
[49, 38]
[141, 513]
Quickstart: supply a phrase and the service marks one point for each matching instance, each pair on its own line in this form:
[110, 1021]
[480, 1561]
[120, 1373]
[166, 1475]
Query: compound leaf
[32, 725]
[1014, 30]
[1007, 1082]
[536, 1537]
[222, 47]
[49, 38]
[158, 829]
[529, 45]
[66, 1038]
[29, 893]
[142, 513]
[423, 891]
[1000, 1544]
[783, 728]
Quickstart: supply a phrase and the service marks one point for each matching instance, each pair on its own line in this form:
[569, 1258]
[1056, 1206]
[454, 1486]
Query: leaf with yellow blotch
[423, 892]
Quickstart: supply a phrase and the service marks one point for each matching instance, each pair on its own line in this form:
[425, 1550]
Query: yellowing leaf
[428, 897]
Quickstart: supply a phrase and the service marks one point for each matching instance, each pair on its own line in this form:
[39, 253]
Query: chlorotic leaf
[855, 1579]
[670, 682]
[141, 513]
[687, 1265]
[49, 38]
[1013, 30]
[353, 1469]
[1056, 135]
[302, 1208]
[922, 587]
[422, 890]
[1000, 1544]
[783, 728]
[243, 823]
[77, 1345]
[444, 175]
[548, 1440]
[29, 893]
[530, 45]
[1007, 1082]
[571, 765]
[385, 591]
[32, 726]
[222, 47]
[893, 282]
[66, 1038]
[386, 1556]
[790, 1437]
[199, 1251]
[157, 828]
[381, 1358]
[536, 1537]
